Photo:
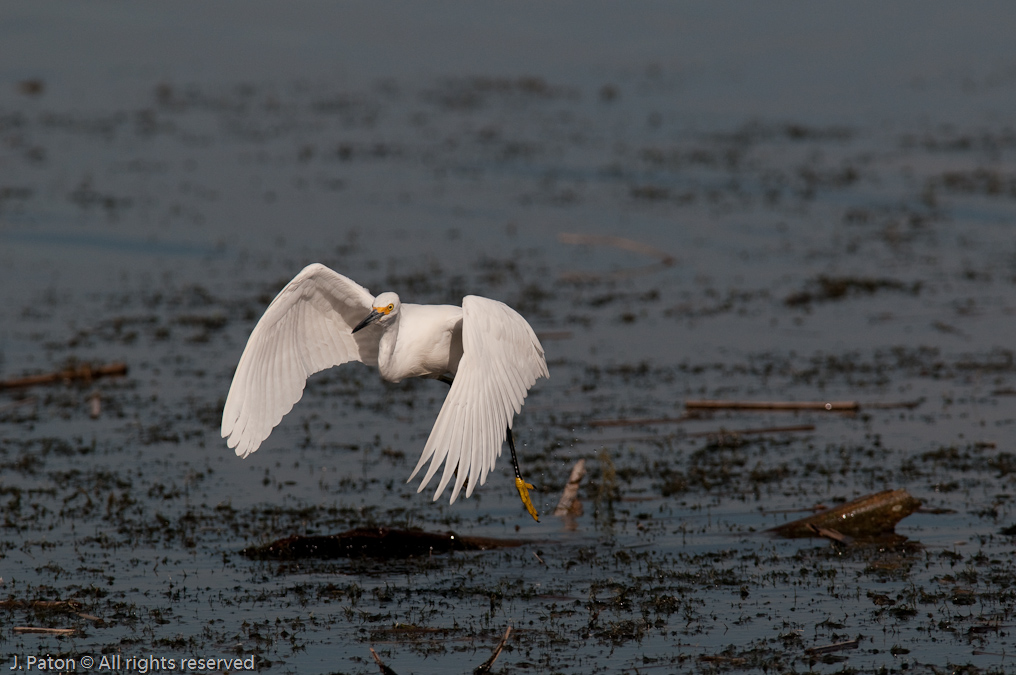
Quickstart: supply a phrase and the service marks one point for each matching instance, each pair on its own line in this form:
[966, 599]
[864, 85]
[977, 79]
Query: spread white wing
[501, 360]
[307, 328]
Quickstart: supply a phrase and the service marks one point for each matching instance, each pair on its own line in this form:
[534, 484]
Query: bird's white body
[425, 341]
[323, 319]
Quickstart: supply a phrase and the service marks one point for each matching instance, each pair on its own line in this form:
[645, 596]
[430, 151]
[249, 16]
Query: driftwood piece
[374, 542]
[85, 372]
[865, 517]
[571, 490]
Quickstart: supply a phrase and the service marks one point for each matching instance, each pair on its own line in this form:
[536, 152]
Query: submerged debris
[369, 542]
[865, 517]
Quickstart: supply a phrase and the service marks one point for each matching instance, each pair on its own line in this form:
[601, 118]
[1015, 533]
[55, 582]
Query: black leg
[521, 485]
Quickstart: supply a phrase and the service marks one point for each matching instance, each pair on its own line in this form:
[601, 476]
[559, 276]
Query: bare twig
[485, 667]
[83, 372]
[385, 670]
[571, 490]
[42, 629]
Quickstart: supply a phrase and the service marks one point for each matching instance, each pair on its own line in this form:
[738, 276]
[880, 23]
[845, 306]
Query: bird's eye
[391, 306]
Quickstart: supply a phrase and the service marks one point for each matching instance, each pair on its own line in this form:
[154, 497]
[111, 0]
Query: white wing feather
[306, 328]
[502, 358]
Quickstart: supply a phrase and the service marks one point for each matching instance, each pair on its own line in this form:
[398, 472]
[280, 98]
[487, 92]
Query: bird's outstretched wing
[306, 329]
[501, 360]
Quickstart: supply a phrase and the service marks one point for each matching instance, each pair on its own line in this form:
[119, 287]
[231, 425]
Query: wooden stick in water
[42, 629]
[571, 490]
[385, 670]
[485, 667]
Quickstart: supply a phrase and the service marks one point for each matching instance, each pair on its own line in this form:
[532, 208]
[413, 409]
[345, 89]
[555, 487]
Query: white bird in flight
[485, 350]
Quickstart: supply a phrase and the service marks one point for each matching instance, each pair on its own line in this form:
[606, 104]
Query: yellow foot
[524, 488]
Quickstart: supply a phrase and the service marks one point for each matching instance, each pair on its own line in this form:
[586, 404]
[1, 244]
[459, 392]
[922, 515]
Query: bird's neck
[386, 361]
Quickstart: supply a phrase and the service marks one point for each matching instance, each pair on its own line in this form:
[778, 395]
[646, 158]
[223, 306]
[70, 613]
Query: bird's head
[385, 309]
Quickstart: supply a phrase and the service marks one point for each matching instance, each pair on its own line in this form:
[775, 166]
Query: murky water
[837, 191]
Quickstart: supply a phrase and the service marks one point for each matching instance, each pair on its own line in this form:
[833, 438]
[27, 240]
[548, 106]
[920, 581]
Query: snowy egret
[484, 349]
